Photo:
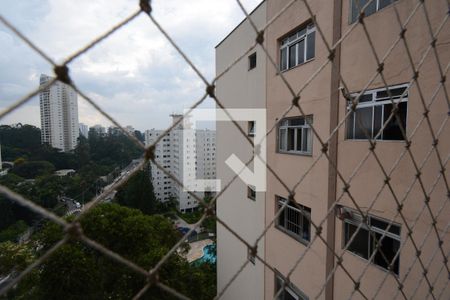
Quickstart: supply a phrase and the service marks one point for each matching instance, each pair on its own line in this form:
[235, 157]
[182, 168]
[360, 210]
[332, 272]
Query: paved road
[125, 171]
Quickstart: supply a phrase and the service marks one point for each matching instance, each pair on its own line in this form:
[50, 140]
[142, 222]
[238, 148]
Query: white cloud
[135, 75]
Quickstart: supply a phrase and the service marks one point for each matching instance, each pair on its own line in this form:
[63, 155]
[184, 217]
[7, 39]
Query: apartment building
[187, 154]
[244, 87]
[291, 245]
[59, 115]
[162, 184]
[99, 129]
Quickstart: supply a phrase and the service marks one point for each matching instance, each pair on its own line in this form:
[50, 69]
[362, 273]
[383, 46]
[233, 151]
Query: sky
[135, 75]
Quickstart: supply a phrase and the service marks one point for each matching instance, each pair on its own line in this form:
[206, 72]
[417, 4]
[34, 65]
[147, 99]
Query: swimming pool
[209, 255]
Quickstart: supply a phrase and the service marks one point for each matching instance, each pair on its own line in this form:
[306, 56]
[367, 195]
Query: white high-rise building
[162, 184]
[59, 115]
[171, 152]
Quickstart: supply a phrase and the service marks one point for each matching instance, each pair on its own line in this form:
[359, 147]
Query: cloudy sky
[135, 75]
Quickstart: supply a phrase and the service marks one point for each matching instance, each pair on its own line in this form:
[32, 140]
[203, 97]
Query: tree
[33, 169]
[14, 257]
[13, 232]
[89, 274]
[138, 192]
[82, 152]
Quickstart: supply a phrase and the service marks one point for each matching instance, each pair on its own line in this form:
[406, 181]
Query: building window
[250, 256]
[298, 47]
[294, 135]
[251, 193]
[252, 61]
[251, 128]
[286, 290]
[295, 220]
[364, 243]
[373, 7]
[373, 110]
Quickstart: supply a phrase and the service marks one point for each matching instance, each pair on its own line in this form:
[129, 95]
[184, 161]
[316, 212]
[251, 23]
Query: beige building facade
[335, 264]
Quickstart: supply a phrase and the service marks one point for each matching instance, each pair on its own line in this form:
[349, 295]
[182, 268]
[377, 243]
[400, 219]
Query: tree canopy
[138, 193]
[89, 274]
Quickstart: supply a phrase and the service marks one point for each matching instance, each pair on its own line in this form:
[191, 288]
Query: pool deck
[196, 250]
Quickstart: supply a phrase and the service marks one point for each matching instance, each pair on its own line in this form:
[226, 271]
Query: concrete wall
[282, 251]
[239, 88]
[357, 67]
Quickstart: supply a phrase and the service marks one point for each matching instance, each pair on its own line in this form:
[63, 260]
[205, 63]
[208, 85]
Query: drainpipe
[333, 147]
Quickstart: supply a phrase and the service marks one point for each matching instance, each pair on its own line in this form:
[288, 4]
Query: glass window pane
[306, 228]
[363, 122]
[291, 139]
[350, 122]
[392, 130]
[383, 3]
[297, 121]
[288, 295]
[360, 244]
[355, 10]
[301, 52]
[371, 8]
[283, 140]
[395, 229]
[292, 60]
[301, 32]
[278, 286]
[377, 120]
[252, 61]
[389, 248]
[281, 220]
[293, 221]
[299, 140]
[306, 140]
[311, 45]
[394, 92]
[283, 59]
[365, 98]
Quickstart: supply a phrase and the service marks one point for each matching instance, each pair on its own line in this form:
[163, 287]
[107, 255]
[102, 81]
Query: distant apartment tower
[59, 115]
[162, 184]
[99, 129]
[84, 130]
[170, 152]
[130, 129]
[312, 249]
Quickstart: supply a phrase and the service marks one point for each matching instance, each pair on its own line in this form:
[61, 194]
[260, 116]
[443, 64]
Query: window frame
[250, 57]
[305, 128]
[352, 19]
[375, 102]
[368, 227]
[292, 40]
[279, 201]
[293, 291]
